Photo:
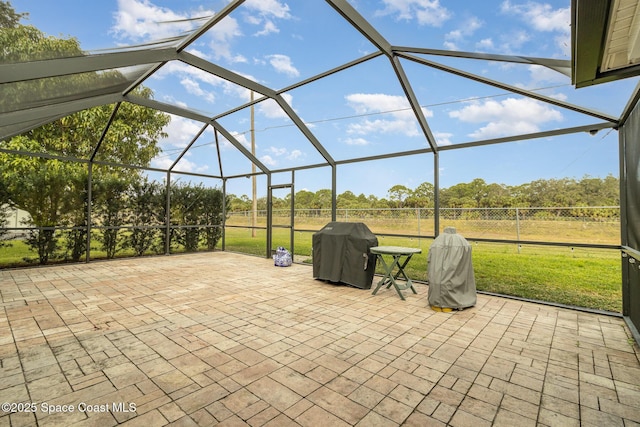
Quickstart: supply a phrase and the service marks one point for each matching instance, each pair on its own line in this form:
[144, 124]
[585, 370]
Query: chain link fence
[589, 225]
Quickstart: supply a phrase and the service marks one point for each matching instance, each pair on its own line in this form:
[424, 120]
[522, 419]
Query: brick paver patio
[228, 339]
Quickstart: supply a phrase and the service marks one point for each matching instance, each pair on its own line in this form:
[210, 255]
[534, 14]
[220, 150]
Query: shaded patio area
[228, 339]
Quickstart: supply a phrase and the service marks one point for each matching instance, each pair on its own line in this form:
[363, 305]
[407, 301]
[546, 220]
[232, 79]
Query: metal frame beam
[414, 103]
[511, 88]
[59, 109]
[183, 112]
[362, 25]
[206, 27]
[24, 71]
[560, 65]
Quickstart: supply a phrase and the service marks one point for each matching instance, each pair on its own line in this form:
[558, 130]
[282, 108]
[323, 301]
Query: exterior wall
[16, 218]
[630, 218]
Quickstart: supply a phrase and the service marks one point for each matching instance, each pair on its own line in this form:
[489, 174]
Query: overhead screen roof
[393, 83]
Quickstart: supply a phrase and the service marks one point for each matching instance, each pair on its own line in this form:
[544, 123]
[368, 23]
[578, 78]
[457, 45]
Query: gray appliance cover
[450, 272]
[341, 254]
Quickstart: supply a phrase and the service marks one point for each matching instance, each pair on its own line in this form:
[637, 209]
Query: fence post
[518, 228]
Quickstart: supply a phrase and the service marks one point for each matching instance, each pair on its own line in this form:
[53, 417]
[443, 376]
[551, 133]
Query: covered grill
[341, 254]
[452, 284]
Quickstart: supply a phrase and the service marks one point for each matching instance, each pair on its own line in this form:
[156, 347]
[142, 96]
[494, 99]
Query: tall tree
[398, 194]
[8, 16]
[422, 196]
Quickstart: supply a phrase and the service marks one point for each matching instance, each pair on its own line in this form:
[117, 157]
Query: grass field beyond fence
[581, 277]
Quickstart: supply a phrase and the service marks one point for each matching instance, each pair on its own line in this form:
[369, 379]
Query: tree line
[563, 192]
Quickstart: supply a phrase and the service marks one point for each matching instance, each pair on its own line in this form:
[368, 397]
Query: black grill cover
[341, 254]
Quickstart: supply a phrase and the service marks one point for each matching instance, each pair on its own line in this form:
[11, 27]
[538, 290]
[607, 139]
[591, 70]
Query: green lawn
[589, 278]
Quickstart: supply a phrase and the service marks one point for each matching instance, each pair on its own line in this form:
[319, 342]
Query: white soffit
[622, 44]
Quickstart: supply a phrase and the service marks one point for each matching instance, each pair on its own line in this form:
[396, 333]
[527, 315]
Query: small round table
[389, 279]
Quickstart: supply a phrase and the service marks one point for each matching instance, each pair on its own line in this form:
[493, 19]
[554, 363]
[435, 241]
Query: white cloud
[271, 109]
[356, 141]
[141, 20]
[193, 87]
[223, 34]
[367, 127]
[283, 152]
[268, 160]
[425, 12]
[540, 74]
[277, 151]
[450, 45]
[263, 12]
[508, 117]
[295, 154]
[513, 41]
[468, 27]
[193, 80]
[180, 132]
[225, 144]
[241, 138]
[443, 138]
[185, 165]
[268, 28]
[162, 163]
[542, 17]
[402, 120]
[485, 45]
[272, 8]
[282, 64]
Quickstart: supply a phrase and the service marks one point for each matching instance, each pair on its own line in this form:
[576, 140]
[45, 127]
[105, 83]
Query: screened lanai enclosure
[265, 99]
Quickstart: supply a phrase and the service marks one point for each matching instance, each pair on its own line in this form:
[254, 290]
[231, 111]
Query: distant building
[16, 218]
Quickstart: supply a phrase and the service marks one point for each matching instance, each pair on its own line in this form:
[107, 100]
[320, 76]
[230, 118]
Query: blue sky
[361, 111]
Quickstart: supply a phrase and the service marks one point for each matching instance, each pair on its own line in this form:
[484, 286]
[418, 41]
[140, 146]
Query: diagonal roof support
[61, 109]
[628, 109]
[215, 135]
[303, 82]
[362, 25]
[187, 41]
[304, 129]
[413, 101]
[10, 73]
[225, 74]
[562, 66]
[510, 88]
[331, 71]
[367, 30]
[104, 132]
[256, 87]
[183, 112]
[9, 131]
[217, 126]
[182, 154]
[213, 21]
